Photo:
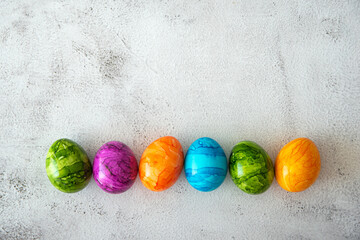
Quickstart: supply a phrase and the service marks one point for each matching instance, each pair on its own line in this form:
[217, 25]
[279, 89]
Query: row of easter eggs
[115, 168]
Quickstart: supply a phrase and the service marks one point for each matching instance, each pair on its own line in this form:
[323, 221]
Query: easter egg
[161, 164]
[67, 166]
[205, 165]
[115, 167]
[251, 168]
[297, 165]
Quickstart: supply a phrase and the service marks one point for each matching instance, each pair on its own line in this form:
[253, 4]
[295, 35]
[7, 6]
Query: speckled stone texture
[134, 71]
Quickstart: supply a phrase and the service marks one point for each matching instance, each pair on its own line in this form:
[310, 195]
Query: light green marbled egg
[67, 166]
[251, 168]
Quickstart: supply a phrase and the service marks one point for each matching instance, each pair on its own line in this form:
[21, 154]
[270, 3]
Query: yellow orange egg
[161, 164]
[297, 165]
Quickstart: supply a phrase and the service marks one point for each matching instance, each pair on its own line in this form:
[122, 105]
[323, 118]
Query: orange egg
[161, 164]
[297, 165]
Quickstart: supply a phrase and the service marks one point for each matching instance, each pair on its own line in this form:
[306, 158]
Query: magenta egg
[115, 167]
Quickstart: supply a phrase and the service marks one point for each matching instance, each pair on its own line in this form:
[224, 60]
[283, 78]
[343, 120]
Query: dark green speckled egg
[67, 166]
[251, 168]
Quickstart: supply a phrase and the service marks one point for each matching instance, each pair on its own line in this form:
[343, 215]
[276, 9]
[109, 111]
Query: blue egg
[205, 165]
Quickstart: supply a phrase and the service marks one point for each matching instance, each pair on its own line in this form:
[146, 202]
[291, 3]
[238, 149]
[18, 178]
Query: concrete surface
[95, 71]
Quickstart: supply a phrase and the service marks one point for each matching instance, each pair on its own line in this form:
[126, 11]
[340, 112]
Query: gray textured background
[133, 71]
